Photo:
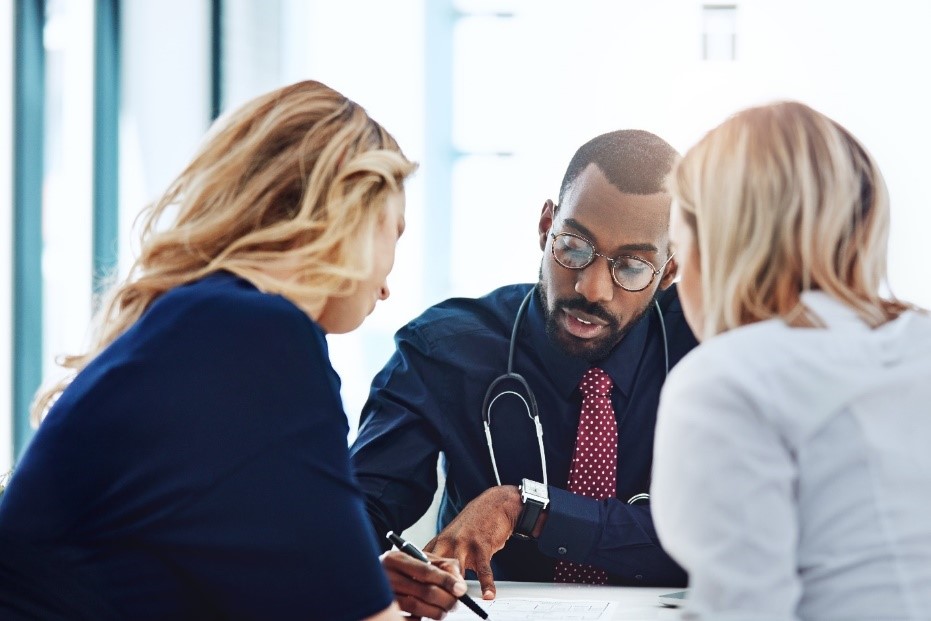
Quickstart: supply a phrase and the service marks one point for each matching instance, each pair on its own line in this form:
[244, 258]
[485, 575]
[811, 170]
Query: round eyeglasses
[630, 273]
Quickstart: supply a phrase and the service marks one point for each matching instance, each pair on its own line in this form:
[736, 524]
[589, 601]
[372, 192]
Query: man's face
[586, 313]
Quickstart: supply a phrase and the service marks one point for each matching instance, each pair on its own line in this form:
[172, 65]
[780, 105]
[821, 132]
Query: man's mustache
[595, 310]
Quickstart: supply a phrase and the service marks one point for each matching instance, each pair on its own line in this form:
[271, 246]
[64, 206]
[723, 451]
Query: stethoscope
[530, 402]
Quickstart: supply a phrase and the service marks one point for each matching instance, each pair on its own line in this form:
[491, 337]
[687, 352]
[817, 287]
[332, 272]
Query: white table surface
[632, 603]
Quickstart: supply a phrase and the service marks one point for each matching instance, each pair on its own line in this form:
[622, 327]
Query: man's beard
[594, 350]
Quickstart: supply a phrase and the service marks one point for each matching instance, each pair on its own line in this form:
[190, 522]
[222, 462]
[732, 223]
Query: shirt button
[561, 550]
[639, 576]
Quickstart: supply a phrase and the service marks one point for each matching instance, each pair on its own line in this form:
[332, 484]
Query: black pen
[411, 550]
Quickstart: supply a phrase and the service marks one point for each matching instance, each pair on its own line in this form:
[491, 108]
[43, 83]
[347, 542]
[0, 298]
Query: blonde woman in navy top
[195, 463]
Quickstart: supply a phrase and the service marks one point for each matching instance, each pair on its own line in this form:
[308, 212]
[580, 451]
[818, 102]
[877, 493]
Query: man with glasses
[546, 420]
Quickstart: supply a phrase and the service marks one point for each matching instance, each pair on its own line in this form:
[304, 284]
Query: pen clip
[411, 550]
[394, 539]
[407, 547]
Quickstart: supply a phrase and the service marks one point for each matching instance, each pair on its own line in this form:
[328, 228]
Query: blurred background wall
[103, 102]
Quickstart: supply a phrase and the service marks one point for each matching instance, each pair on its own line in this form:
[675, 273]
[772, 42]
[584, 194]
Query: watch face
[534, 488]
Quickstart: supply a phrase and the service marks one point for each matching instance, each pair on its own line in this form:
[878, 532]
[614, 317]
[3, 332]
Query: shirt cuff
[572, 525]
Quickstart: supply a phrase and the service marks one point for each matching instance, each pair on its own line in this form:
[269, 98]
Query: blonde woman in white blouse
[792, 466]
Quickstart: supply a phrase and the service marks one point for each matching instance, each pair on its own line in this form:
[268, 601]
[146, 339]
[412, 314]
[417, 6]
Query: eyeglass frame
[612, 261]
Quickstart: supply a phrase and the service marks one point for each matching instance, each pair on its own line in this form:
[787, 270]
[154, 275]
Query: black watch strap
[528, 519]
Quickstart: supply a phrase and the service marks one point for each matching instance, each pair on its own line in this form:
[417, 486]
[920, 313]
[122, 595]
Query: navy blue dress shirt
[198, 469]
[428, 400]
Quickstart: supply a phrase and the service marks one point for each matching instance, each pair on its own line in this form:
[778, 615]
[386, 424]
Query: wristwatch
[535, 497]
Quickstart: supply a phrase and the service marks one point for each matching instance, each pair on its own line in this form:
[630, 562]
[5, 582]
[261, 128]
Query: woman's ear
[546, 221]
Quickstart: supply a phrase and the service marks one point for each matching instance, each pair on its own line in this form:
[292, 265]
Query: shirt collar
[831, 311]
[565, 372]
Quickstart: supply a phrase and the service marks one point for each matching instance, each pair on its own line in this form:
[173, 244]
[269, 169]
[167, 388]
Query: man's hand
[424, 589]
[480, 530]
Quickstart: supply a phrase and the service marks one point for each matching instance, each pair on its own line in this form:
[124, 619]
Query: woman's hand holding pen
[424, 589]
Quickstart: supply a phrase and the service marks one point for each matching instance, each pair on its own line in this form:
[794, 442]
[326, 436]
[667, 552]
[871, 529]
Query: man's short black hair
[633, 160]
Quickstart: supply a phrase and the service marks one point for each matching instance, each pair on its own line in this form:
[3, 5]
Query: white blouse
[792, 470]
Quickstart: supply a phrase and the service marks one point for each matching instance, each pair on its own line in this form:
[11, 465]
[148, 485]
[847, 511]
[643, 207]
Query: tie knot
[596, 382]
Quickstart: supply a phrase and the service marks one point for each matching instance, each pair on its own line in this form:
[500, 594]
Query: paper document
[532, 609]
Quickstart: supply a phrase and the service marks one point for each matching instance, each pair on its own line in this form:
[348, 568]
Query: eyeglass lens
[576, 253]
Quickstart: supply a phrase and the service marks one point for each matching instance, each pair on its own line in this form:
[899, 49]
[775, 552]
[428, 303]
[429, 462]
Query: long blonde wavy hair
[285, 192]
[781, 200]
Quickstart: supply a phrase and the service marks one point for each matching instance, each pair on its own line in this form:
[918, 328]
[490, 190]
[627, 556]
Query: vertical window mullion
[216, 58]
[106, 141]
[28, 162]
[439, 155]
[7, 46]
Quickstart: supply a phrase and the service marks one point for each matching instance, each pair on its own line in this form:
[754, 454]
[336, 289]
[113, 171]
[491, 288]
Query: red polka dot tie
[594, 465]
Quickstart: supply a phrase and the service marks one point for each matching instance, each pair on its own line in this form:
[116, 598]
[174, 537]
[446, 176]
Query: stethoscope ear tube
[530, 404]
[491, 451]
[662, 330]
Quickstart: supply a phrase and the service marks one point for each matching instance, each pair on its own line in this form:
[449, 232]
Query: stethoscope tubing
[530, 402]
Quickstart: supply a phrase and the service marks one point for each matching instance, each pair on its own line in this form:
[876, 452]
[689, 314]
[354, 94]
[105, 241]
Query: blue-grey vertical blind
[28, 167]
[28, 176]
[106, 140]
